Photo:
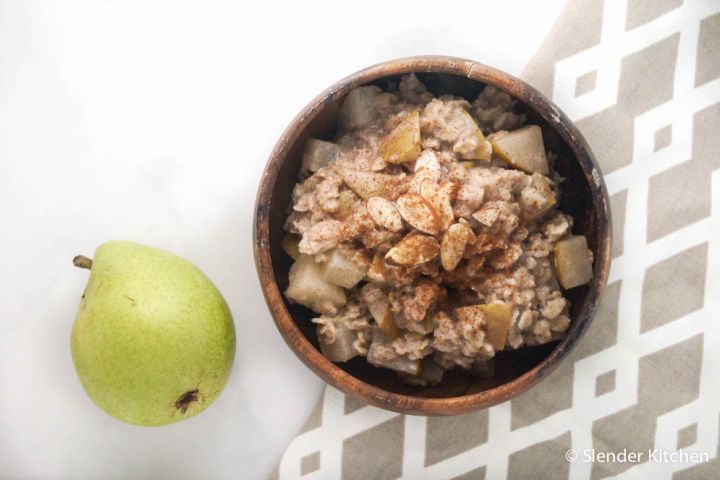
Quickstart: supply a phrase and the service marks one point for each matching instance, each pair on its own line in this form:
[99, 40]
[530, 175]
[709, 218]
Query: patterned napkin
[642, 81]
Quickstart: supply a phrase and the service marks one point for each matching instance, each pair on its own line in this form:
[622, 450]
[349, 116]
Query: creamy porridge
[426, 234]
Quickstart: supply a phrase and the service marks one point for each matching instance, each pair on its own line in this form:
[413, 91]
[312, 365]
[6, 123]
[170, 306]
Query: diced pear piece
[377, 271]
[379, 307]
[388, 325]
[522, 148]
[384, 101]
[347, 203]
[308, 286]
[427, 325]
[498, 321]
[289, 243]
[543, 185]
[402, 144]
[377, 356]
[359, 109]
[384, 317]
[318, 154]
[573, 261]
[399, 364]
[497, 316]
[484, 149]
[342, 271]
[403, 364]
[342, 349]
[430, 371]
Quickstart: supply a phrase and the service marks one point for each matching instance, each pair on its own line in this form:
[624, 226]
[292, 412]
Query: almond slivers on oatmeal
[426, 234]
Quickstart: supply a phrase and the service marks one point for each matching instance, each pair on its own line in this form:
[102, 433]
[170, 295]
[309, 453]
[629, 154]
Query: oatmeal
[426, 236]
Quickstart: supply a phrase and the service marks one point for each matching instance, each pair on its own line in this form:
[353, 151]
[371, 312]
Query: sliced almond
[450, 188]
[370, 184]
[472, 238]
[422, 174]
[429, 160]
[453, 245]
[419, 213]
[384, 213]
[439, 200]
[488, 214]
[414, 249]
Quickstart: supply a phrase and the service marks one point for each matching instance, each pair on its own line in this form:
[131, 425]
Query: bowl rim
[347, 383]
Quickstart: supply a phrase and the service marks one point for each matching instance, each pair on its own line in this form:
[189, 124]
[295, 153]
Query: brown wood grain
[584, 197]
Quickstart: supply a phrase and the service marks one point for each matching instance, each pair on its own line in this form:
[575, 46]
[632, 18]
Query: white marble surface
[151, 121]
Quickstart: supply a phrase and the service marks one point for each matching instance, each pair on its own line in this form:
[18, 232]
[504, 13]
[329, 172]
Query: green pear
[153, 341]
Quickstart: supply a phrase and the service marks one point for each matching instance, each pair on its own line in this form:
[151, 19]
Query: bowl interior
[576, 201]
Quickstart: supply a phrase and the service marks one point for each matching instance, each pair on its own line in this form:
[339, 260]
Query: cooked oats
[427, 233]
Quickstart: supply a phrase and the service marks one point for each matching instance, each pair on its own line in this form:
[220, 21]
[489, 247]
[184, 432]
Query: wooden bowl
[584, 198]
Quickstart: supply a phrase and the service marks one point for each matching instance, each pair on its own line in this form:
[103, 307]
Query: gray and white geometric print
[642, 81]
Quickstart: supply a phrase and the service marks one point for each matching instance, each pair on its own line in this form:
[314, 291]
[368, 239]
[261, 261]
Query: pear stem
[81, 261]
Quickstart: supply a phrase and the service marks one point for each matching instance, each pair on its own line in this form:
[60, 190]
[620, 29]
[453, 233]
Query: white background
[151, 121]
